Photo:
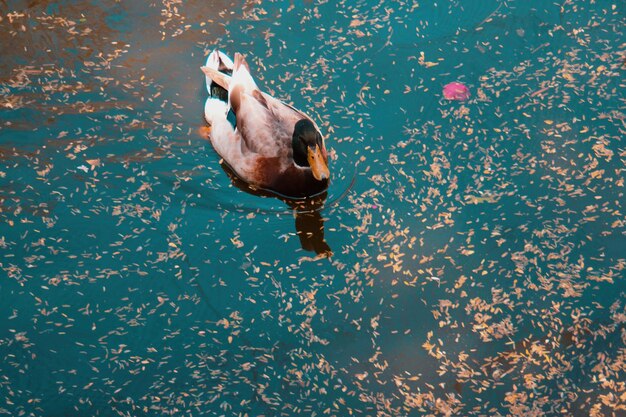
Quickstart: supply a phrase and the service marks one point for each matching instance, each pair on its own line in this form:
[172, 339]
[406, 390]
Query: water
[477, 260]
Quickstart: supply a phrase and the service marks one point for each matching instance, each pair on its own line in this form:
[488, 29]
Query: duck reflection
[307, 212]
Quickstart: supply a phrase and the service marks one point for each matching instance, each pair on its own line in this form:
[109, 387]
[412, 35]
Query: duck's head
[309, 150]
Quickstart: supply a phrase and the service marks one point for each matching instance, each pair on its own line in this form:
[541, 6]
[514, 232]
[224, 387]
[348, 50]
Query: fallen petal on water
[456, 91]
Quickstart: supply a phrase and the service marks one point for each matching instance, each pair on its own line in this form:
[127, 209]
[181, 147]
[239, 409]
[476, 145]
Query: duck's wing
[258, 125]
[286, 111]
[287, 114]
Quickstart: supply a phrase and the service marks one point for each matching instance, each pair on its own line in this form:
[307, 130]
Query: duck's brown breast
[297, 182]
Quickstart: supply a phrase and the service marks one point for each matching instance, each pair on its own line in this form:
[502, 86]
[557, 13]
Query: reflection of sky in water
[477, 246]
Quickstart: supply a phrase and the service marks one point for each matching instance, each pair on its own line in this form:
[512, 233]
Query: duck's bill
[317, 163]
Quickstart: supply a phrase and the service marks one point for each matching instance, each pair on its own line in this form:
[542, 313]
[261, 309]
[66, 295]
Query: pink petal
[456, 91]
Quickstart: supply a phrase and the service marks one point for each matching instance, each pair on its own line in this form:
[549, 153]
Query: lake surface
[467, 260]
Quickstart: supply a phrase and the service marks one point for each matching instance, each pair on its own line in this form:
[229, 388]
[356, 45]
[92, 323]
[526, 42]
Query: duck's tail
[241, 74]
[217, 69]
[240, 82]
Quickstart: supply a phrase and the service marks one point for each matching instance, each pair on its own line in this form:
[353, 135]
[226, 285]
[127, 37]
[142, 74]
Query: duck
[272, 146]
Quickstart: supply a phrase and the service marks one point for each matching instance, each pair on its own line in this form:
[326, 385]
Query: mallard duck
[273, 145]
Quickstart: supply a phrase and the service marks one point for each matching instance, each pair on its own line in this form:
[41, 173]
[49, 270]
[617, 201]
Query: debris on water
[456, 91]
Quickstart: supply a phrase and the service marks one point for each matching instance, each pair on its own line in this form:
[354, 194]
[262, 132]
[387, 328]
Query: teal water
[478, 248]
